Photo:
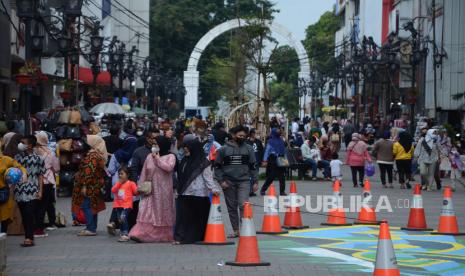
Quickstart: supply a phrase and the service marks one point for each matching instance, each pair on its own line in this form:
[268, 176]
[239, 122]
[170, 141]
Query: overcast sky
[296, 15]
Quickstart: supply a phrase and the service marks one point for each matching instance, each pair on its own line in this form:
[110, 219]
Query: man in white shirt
[295, 127]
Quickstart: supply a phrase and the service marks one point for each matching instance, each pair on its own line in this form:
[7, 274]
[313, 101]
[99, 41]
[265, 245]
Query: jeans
[27, 210]
[386, 168]
[122, 215]
[326, 167]
[361, 174]
[91, 219]
[312, 164]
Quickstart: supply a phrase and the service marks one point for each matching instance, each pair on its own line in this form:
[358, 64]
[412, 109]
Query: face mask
[139, 133]
[22, 147]
[240, 141]
[155, 149]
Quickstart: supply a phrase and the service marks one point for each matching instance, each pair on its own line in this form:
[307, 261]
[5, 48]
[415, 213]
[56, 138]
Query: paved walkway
[315, 252]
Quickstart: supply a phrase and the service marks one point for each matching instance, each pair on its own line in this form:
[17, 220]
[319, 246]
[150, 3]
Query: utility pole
[434, 61]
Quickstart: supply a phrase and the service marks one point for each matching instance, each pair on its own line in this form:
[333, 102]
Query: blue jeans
[122, 215]
[312, 164]
[326, 168]
[91, 219]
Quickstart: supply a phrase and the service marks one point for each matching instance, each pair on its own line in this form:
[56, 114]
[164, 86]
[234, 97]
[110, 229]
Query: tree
[319, 43]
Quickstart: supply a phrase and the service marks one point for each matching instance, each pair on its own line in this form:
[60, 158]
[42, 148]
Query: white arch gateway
[191, 75]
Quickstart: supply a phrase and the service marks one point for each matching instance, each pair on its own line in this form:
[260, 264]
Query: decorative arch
[191, 75]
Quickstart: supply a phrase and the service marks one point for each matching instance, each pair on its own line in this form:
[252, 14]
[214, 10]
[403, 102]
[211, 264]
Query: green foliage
[285, 64]
[319, 43]
[177, 25]
[283, 94]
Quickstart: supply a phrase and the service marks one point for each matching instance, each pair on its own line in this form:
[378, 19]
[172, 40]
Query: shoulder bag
[145, 188]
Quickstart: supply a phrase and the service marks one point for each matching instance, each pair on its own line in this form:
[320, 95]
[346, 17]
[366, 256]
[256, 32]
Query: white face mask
[139, 133]
[22, 147]
[155, 149]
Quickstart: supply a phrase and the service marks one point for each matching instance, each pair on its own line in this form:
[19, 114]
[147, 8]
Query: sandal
[27, 243]
[86, 233]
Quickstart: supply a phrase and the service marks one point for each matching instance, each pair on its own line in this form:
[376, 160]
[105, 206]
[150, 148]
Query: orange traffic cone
[271, 223]
[367, 214]
[215, 233]
[292, 218]
[417, 218]
[448, 221]
[386, 262]
[247, 250]
[337, 216]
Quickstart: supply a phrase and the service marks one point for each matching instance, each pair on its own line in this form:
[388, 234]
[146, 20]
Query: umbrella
[108, 108]
[141, 111]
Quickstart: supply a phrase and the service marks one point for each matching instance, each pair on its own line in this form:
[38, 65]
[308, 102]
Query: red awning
[86, 76]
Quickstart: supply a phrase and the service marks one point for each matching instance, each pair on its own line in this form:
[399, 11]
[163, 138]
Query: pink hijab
[358, 146]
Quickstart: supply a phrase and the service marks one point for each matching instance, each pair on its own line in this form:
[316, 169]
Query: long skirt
[192, 218]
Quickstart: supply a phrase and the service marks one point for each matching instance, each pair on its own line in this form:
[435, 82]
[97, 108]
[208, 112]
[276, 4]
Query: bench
[296, 163]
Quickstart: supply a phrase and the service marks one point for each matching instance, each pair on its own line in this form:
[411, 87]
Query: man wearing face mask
[235, 165]
[29, 193]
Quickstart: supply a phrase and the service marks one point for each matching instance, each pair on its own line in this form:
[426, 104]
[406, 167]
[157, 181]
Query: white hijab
[431, 137]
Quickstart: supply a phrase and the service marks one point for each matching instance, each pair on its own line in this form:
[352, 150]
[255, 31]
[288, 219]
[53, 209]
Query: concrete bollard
[2, 254]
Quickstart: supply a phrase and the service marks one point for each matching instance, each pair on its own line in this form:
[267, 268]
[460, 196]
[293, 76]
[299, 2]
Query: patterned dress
[90, 175]
[155, 219]
[35, 167]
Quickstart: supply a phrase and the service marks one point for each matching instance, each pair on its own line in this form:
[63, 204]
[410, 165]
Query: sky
[296, 15]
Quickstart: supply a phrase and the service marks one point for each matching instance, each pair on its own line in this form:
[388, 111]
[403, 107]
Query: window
[106, 8]
[356, 7]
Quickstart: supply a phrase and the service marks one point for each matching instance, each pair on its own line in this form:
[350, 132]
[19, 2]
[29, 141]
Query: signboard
[54, 66]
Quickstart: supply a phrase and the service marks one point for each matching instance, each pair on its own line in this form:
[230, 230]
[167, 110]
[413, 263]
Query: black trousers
[132, 217]
[361, 174]
[273, 172]
[386, 168]
[47, 206]
[4, 226]
[192, 218]
[28, 210]
[404, 168]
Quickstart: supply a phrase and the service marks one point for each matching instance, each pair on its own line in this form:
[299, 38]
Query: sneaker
[111, 229]
[124, 238]
[51, 228]
[314, 178]
[86, 233]
[40, 234]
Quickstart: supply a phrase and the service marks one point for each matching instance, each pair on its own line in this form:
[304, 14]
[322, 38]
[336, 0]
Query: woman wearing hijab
[10, 144]
[88, 183]
[357, 155]
[403, 154]
[334, 135]
[195, 182]
[427, 154]
[382, 151]
[52, 167]
[274, 148]
[155, 219]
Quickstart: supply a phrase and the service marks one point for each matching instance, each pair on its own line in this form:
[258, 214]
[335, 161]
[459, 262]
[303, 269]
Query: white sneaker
[51, 228]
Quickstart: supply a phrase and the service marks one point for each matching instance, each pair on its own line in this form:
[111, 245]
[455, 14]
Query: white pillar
[191, 83]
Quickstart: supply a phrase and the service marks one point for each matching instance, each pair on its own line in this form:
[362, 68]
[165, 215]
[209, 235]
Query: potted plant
[28, 74]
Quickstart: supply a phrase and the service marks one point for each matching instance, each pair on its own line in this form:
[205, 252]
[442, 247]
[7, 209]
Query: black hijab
[164, 144]
[191, 166]
[405, 140]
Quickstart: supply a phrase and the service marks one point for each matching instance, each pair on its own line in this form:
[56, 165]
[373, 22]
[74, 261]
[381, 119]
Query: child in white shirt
[336, 170]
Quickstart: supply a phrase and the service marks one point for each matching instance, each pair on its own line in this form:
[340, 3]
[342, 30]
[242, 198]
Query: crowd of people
[160, 175]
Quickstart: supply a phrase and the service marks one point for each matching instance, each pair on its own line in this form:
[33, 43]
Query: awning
[86, 76]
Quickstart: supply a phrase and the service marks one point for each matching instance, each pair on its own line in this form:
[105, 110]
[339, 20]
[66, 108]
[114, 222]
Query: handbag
[145, 188]
[75, 117]
[65, 144]
[4, 194]
[76, 158]
[64, 117]
[282, 162]
[73, 132]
